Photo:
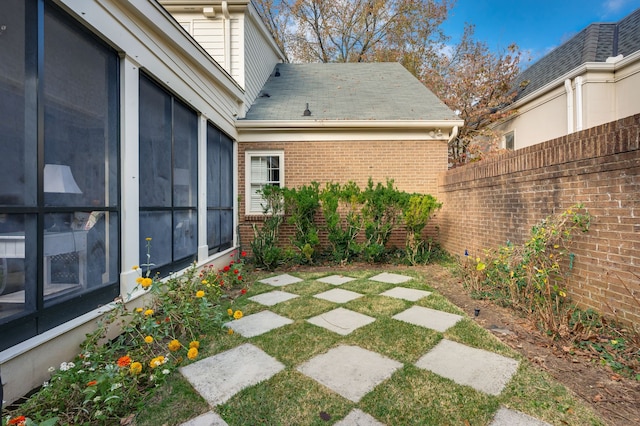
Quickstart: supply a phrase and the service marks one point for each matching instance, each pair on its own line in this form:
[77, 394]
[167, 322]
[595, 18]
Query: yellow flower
[204, 282]
[135, 267]
[148, 339]
[146, 282]
[135, 368]
[614, 342]
[230, 311]
[237, 315]
[139, 280]
[157, 361]
[194, 344]
[480, 266]
[555, 246]
[138, 310]
[562, 293]
[199, 293]
[230, 332]
[174, 345]
[148, 239]
[193, 353]
[148, 312]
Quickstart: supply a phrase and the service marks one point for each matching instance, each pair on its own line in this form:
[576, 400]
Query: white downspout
[579, 82]
[567, 86]
[226, 22]
[454, 133]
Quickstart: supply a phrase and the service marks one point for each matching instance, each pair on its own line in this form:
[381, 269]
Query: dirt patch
[616, 399]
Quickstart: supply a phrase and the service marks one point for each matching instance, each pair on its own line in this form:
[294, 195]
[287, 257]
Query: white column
[203, 248]
[129, 173]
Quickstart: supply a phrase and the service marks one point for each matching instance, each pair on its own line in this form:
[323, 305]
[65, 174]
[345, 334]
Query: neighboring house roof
[595, 43]
[346, 91]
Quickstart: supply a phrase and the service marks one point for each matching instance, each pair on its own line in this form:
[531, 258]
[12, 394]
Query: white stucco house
[123, 120]
[591, 79]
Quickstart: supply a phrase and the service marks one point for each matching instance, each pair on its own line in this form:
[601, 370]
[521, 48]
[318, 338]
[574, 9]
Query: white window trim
[247, 176]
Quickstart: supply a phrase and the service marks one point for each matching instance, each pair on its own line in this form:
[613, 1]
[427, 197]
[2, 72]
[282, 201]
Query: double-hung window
[263, 168]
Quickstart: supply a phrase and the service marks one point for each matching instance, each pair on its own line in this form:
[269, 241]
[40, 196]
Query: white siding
[259, 59]
[210, 34]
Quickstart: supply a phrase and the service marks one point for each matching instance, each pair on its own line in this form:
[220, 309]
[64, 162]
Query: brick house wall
[343, 161]
[499, 199]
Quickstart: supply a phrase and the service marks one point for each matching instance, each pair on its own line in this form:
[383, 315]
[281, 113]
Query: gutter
[569, 89]
[283, 125]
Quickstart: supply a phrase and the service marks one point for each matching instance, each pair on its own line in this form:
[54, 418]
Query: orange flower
[148, 339]
[193, 353]
[20, 421]
[194, 344]
[157, 361]
[237, 315]
[146, 282]
[92, 383]
[174, 345]
[124, 361]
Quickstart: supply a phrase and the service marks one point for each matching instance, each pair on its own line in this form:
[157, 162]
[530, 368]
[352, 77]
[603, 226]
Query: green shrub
[266, 252]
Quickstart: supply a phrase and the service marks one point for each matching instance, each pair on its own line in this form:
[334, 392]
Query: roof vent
[307, 113]
[277, 72]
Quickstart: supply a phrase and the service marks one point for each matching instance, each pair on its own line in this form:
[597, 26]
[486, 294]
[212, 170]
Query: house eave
[296, 125]
[340, 130]
[611, 67]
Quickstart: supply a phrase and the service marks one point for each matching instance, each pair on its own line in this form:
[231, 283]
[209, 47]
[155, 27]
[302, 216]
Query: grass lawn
[411, 396]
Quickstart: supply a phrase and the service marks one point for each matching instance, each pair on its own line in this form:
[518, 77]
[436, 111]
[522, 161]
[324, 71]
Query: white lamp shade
[58, 178]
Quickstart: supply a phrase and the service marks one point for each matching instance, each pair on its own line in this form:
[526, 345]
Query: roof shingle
[346, 91]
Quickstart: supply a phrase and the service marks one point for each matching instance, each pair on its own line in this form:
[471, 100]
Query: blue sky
[536, 26]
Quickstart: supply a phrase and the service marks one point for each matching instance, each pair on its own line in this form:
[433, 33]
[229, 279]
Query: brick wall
[499, 199]
[342, 161]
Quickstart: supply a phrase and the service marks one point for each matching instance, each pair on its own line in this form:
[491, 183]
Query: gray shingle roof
[351, 91]
[595, 43]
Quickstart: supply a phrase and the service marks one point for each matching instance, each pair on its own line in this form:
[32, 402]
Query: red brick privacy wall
[413, 165]
[499, 199]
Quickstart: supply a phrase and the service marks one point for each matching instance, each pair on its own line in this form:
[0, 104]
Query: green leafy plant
[531, 277]
[110, 378]
[381, 214]
[417, 211]
[266, 252]
[341, 210]
[301, 206]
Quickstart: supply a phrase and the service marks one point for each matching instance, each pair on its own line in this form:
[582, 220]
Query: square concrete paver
[335, 279]
[207, 419]
[390, 278]
[273, 297]
[281, 280]
[410, 294]
[428, 318]
[219, 377]
[482, 370]
[341, 320]
[350, 370]
[506, 417]
[257, 324]
[338, 295]
[358, 418]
